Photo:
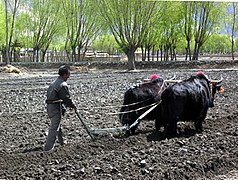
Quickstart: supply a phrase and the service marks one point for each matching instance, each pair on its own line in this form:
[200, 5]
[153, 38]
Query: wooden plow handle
[84, 125]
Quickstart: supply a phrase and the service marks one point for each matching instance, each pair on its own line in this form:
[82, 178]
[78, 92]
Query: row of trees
[164, 27]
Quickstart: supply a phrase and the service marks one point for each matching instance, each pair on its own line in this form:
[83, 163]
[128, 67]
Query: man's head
[64, 72]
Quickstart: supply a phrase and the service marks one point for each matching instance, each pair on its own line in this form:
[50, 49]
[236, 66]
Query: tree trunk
[131, 58]
[186, 55]
[73, 54]
[188, 51]
[43, 56]
[196, 51]
[79, 52]
[157, 55]
[171, 53]
[37, 56]
[232, 49]
[233, 29]
[174, 54]
[7, 47]
[153, 50]
[161, 53]
[148, 53]
[166, 53]
[143, 53]
[67, 54]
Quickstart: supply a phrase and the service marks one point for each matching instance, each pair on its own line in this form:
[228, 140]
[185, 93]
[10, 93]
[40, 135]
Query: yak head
[213, 87]
[216, 86]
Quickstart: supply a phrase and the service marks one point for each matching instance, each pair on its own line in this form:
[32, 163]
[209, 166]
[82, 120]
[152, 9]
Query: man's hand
[63, 110]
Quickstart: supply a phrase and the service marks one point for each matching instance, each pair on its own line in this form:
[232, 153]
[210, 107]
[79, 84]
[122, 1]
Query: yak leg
[158, 124]
[198, 126]
[171, 129]
[199, 121]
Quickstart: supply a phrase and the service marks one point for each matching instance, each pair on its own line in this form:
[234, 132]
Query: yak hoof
[199, 131]
[128, 133]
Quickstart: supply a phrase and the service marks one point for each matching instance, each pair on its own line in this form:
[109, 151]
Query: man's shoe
[47, 149]
[62, 143]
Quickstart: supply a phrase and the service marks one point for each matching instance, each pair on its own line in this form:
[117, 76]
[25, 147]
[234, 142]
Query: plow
[92, 132]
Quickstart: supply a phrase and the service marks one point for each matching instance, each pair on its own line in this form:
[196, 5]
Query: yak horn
[172, 81]
[173, 78]
[146, 80]
[216, 81]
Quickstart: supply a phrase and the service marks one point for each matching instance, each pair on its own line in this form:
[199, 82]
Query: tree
[172, 28]
[106, 43]
[206, 17]
[236, 45]
[129, 23]
[9, 34]
[13, 9]
[82, 25]
[217, 43]
[24, 29]
[154, 33]
[188, 11]
[2, 24]
[44, 26]
[231, 24]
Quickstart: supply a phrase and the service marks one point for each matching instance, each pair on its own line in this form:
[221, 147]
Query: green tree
[207, 15]
[172, 28]
[153, 35]
[236, 45]
[129, 22]
[11, 7]
[188, 12]
[2, 25]
[44, 25]
[231, 24]
[82, 25]
[23, 29]
[106, 43]
[217, 43]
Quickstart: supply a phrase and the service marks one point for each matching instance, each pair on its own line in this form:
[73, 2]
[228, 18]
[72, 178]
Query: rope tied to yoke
[134, 110]
[126, 105]
[132, 104]
[144, 107]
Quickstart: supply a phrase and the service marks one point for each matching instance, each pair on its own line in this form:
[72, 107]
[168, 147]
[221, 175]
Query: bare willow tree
[129, 22]
[82, 25]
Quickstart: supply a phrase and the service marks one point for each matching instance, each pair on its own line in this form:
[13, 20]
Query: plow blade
[97, 131]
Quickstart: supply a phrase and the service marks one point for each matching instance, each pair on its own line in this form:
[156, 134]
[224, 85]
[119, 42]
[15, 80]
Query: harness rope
[132, 104]
[139, 109]
[156, 103]
[126, 105]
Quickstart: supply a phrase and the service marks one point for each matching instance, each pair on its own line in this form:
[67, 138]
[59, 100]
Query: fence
[61, 56]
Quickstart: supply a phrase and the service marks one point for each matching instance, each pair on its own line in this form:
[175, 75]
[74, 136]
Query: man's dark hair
[63, 70]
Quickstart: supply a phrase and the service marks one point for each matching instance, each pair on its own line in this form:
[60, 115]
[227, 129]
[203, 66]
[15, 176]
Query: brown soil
[212, 154]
